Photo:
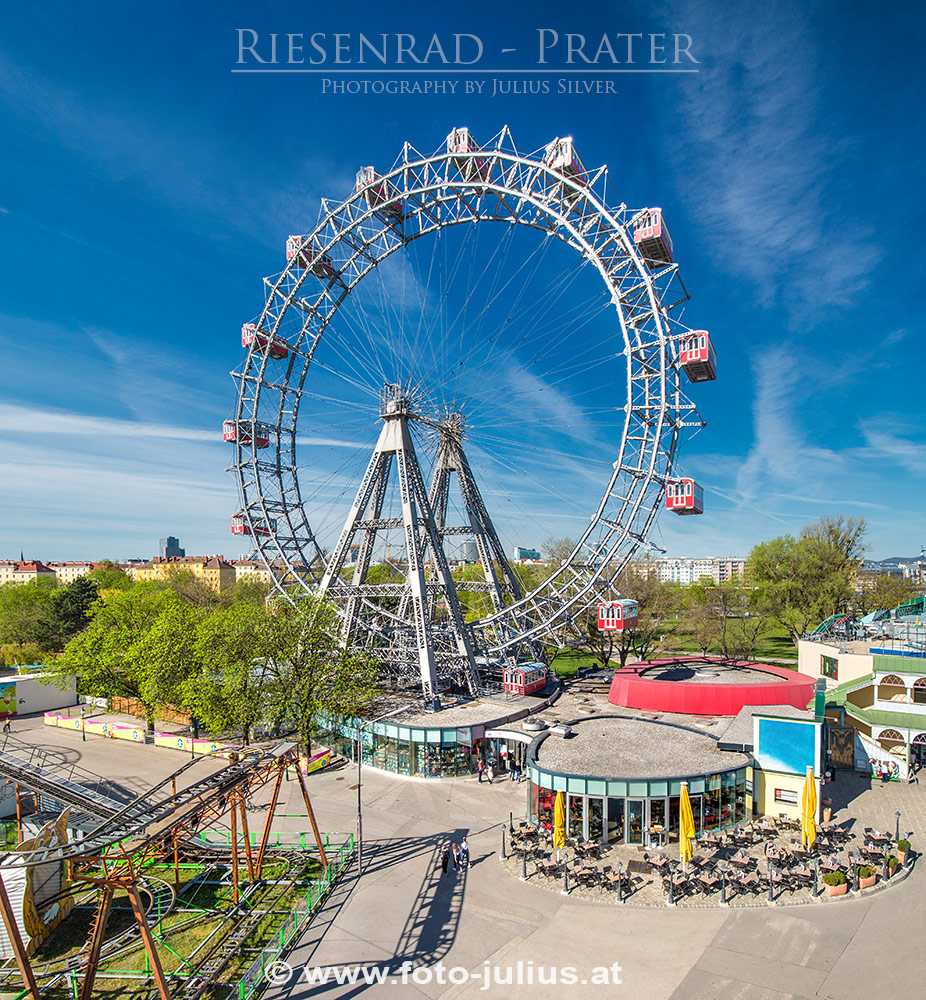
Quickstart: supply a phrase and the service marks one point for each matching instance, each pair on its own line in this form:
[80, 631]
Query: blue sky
[145, 190]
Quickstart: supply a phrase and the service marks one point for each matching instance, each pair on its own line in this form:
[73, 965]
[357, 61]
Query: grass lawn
[775, 645]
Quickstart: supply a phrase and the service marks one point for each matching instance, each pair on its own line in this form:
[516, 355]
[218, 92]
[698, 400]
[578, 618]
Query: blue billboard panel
[785, 745]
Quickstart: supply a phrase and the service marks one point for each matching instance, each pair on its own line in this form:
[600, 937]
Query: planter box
[866, 883]
[827, 814]
[836, 890]
[891, 872]
[901, 856]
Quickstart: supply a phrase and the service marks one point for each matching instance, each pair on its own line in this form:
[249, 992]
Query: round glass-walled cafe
[622, 779]
[429, 751]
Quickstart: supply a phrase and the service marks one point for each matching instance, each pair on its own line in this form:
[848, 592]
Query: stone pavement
[402, 909]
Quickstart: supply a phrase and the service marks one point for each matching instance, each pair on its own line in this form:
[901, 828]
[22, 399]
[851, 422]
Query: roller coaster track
[137, 823]
[66, 782]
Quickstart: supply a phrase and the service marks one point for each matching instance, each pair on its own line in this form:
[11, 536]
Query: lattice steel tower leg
[421, 535]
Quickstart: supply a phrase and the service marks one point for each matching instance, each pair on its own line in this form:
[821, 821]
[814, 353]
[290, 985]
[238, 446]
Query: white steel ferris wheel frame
[495, 183]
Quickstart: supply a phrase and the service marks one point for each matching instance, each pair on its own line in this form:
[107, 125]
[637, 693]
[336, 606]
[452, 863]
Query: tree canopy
[800, 581]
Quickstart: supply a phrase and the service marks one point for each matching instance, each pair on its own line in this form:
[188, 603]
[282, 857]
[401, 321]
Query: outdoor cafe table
[741, 861]
[659, 862]
[746, 882]
[584, 874]
[708, 880]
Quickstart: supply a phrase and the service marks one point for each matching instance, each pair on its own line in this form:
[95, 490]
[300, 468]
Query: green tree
[169, 651]
[21, 608]
[111, 657]
[319, 673]
[192, 590]
[799, 582]
[882, 592]
[108, 576]
[237, 682]
[64, 614]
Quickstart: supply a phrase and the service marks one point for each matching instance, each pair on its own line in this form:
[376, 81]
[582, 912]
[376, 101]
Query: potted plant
[865, 876]
[903, 849]
[835, 884]
[892, 865]
[827, 812]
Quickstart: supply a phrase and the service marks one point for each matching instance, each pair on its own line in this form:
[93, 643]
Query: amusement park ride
[160, 826]
[414, 624]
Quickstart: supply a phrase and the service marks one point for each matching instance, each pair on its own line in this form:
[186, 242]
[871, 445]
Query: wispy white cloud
[884, 445]
[758, 155]
[780, 454]
[32, 420]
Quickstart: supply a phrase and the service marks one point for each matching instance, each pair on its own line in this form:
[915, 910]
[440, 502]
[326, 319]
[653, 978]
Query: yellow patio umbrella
[686, 825]
[809, 810]
[559, 821]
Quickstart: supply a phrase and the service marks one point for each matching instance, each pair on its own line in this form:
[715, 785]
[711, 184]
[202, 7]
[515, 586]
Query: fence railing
[254, 979]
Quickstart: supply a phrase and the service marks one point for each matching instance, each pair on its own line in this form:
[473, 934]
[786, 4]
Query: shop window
[787, 796]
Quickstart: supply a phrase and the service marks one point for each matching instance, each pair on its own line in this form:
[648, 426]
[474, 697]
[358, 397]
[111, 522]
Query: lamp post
[360, 728]
[897, 828]
[723, 884]
[192, 732]
[620, 883]
[83, 731]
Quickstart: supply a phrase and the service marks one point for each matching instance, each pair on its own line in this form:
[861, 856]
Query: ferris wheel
[472, 341]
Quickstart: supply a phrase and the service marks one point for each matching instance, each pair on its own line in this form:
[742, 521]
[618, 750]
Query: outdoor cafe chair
[708, 881]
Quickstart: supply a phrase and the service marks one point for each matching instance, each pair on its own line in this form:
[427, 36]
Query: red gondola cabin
[651, 235]
[307, 257]
[378, 193]
[525, 678]
[251, 335]
[560, 155]
[615, 616]
[233, 430]
[697, 357]
[471, 167]
[239, 526]
[684, 496]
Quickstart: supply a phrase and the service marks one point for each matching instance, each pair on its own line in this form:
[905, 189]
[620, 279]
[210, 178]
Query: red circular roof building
[698, 685]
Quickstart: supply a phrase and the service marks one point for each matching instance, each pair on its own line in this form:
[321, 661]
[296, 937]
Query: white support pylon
[420, 533]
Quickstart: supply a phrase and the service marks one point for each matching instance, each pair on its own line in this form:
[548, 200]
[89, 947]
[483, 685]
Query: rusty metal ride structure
[113, 855]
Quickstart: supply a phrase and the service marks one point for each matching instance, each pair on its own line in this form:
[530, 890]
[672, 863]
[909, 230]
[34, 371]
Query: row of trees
[231, 666]
[791, 584]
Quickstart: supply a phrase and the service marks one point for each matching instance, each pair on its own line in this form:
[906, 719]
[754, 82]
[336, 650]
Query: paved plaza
[402, 909]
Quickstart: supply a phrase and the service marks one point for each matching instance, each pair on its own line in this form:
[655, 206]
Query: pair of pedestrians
[460, 856]
[484, 769]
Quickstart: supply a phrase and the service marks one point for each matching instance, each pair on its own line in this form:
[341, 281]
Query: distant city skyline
[137, 223]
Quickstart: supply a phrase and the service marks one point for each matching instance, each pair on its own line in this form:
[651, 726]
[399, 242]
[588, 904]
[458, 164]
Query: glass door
[615, 821]
[595, 820]
[635, 821]
[656, 826]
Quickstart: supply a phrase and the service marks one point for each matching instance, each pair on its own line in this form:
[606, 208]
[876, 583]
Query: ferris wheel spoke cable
[487, 317]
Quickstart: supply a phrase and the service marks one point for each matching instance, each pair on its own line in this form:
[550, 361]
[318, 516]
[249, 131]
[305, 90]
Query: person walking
[480, 767]
[6, 727]
[444, 859]
[464, 853]
[490, 773]
[456, 857]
